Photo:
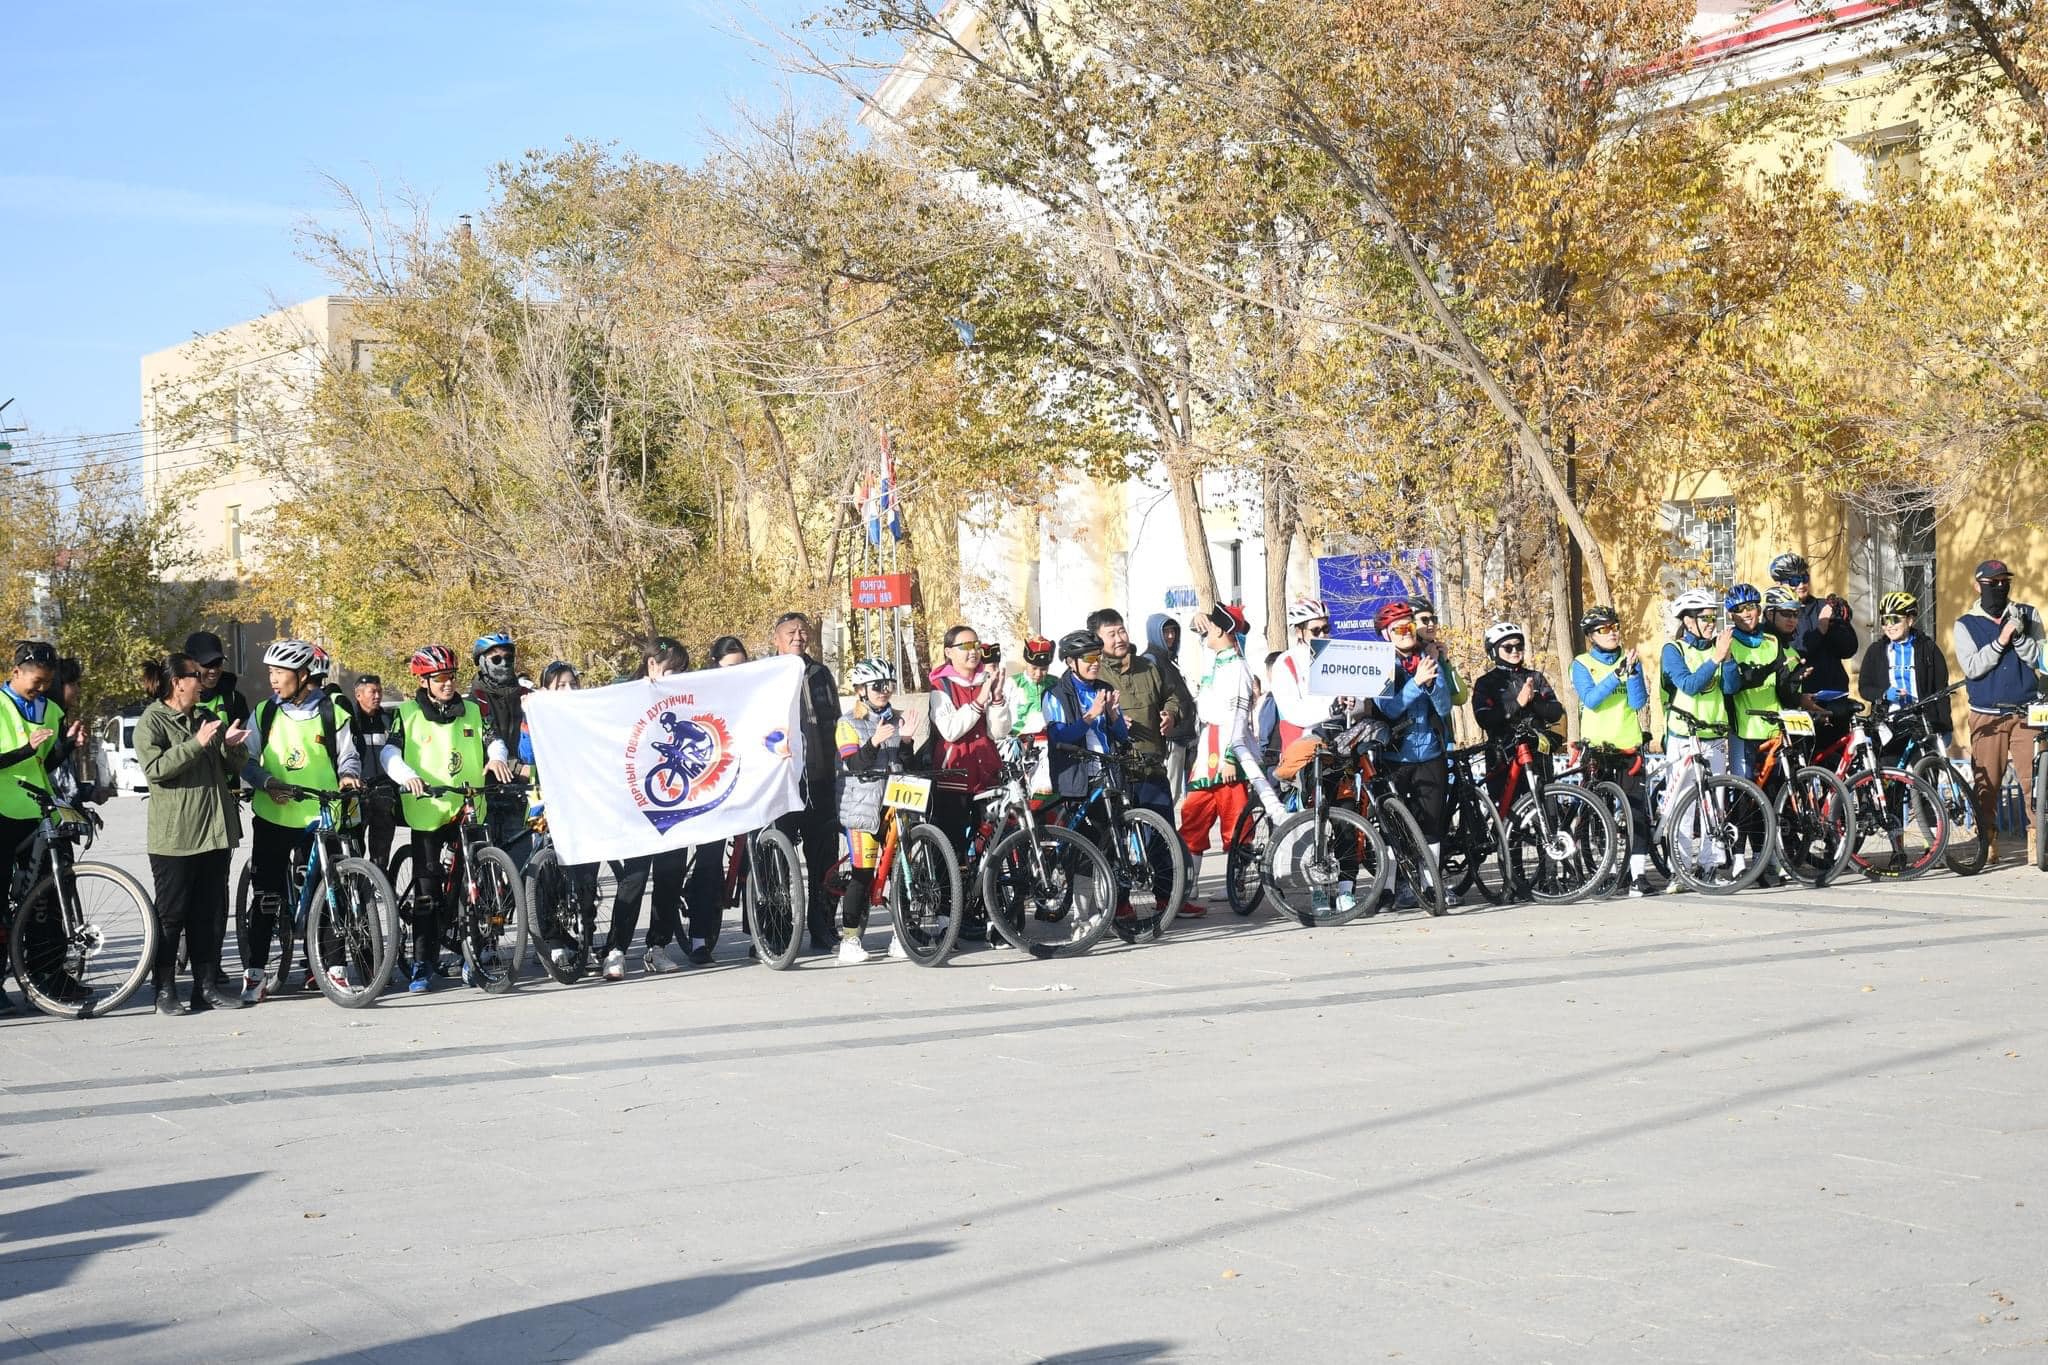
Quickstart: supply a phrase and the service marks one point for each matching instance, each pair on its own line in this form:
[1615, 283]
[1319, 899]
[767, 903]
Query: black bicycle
[342, 909]
[478, 883]
[1137, 842]
[85, 934]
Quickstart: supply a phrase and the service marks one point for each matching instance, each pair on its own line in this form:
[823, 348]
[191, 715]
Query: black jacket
[1493, 701]
[1825, 650]
[820, 719]
[1930, 675]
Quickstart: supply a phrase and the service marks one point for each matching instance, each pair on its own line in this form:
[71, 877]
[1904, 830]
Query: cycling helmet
[1419, 605]
[497, 639]
[1693, 601]
[1499, 633]
[292, 654]
[1777, 598]
[1078, 644]
[1898, 604]
[1743, 595]
[1038, 650]
[1303, 610]
[1393, 613]
[1598, 618]
[432, 659]
[1789, 569]
[322, 665]
[868, 672]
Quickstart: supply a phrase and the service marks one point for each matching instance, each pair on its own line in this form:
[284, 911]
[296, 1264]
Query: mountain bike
[1599, 768]
[1816, 812]
[343, 911]
[563, 903]
[84, 935]
[1560, 836]
[478, 882]
[1312, 856]
[1245, 863]
[1923, 754]
[1714, 832]
[1901, 827]
[1047, 890]
[761, 870]
[1137, 842]
[1475, 847]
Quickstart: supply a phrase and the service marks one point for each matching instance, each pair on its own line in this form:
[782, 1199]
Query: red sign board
[881, 590]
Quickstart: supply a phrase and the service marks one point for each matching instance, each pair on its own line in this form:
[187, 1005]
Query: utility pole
[7, 446]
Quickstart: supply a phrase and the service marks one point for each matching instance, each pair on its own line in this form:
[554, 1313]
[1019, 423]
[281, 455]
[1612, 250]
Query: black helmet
[1077, 643]
[1598, 618]
[1789, 568]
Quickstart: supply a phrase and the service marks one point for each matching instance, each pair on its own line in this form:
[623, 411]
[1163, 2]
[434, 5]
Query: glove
[1893, 695]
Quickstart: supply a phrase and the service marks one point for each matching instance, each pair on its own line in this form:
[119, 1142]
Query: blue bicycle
[343, 911]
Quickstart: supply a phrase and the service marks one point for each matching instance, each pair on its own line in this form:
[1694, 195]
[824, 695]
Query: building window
[231, 535]
[1861, 165]
[1702, 534]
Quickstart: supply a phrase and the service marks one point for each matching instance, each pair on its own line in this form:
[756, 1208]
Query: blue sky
[158, 155]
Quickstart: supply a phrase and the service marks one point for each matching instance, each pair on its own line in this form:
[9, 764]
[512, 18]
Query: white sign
[1351, 668]
[643, 767]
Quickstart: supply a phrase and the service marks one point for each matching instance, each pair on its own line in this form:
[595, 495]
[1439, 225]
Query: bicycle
[1474, 835]
[1560, 836]
[343, 911]
[1714, 832]
[85, 933]
[1922, 754]
[562, 902]
[1599, 768]
[1245, 863]
[1328, 843]
[1047, 890]
[1815, 809]
[1134, 840]
[488, 923]
[1889, 802]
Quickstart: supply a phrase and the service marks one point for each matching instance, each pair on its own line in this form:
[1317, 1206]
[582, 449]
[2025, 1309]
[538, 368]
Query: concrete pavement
[1782, 1126]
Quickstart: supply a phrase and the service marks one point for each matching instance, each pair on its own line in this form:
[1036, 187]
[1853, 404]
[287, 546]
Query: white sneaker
[252, 987]
[337, 977]
[658, 962]
[851, 952]
[562, 958]
[896, 950]
[615, 965]
[1345, 902]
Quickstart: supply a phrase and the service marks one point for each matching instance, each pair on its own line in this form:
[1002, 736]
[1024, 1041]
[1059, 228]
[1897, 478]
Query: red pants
[1206, 806]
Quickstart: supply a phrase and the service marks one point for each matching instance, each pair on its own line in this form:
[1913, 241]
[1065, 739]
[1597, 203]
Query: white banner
[1351, 668]
[643, 767]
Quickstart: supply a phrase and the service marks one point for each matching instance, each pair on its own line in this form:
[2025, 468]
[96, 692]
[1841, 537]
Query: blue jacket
[1594, 694]
[1700, 679]
[1065, 703]
[1417, 714]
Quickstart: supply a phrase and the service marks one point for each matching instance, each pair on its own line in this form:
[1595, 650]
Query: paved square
[1784, 1126]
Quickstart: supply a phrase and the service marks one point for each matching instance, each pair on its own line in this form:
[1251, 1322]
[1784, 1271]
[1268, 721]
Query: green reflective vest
[33, 771]
[1613, 721]
[295, 752]
[1690, 713]
[1754, 706]
[450, 755]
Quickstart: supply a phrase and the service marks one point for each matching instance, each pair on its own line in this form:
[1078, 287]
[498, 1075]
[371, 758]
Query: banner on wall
[1355, 587]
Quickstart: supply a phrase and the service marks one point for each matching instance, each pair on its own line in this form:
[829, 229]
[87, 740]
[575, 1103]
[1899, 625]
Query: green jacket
[1143, 693]
[191, 808]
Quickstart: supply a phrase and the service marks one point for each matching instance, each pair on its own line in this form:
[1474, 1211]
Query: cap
[204, 647]
[1993, 568]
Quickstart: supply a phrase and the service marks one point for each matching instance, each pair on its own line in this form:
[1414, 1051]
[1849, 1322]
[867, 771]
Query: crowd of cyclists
[1136, 760]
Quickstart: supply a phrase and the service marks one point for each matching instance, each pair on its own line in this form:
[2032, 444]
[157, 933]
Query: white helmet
[1304, 610]
[292, 654]
[1694, 600]
[1502, 631]
[868, 672]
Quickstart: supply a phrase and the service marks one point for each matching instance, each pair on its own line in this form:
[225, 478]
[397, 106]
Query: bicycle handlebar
[488, 789]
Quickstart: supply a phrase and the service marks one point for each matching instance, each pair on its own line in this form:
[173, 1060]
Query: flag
[878, 499]
[662, 763]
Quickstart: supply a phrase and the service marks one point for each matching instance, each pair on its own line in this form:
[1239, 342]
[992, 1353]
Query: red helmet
[1392, 614]
[433, 659]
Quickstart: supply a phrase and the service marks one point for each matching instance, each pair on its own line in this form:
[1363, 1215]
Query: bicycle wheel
[1408, 857]
[493, 924]
[1308, 864]
[773, 897]
[1615, 879]
[2040, 810]
[90, 961]
[1568, 860]
[924, 895]
[1147, 836]
[1048, 891]
[1900, 826]
[557, 916]
[1244, 866]
[405, 893]
[1475, 845]
[273, 943]
[1656, 787]
[353, 927]
[1964, 852]
[1816, 825]
[1721, 834]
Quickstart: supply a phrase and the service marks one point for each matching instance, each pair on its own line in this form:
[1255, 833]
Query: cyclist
[1612, 697]
[1697, 677]
[1904, 666]
[666, 870]
[1769, 677]
[1298, 708]
[1509, 695]
[31, 728]
[500, 692]
[218, 695]
[1151, 711]
[970, 712]
[870, 740]
[1217, 789]
[1825, 635]
[367, 724]
[1998, 643]
[1426, 626]
[1417, 703]
[296, 738]
[446, 738]
[322, 666]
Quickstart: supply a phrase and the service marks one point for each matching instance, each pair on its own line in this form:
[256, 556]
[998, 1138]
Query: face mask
[496, 672]
[1994, 597]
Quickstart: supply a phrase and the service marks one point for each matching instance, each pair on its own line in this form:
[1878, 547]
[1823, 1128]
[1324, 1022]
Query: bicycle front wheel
[1145, 844]
[1559, 853]
[1417, 872]
[1900, 827]
[352, 933]
[1816, 825]
[494, 922]
[1475, 845]
[2040, 811]
[87, 960]
[1328, 872]
[1721, 833]
[1964, 852]
[1048, 891]
[1244, 866]
[268, 937]
[773, 897]
[925, 896]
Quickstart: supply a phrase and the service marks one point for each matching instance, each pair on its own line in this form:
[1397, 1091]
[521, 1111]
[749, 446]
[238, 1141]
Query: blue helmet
[1743, 595]
[497, 639]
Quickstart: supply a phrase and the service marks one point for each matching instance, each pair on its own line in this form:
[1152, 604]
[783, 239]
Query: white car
[116, 758]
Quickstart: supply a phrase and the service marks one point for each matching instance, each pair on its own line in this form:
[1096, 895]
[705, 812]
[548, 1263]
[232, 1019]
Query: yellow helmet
[1898, 604]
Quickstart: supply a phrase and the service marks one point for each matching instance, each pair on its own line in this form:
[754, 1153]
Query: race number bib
[1797, 722]
[908, 793]
[2037, 714]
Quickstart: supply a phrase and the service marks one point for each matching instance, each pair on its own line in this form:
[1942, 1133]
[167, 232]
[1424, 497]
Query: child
[869, 738]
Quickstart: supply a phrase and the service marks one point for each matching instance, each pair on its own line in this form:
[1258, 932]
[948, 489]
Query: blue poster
[1355, 587]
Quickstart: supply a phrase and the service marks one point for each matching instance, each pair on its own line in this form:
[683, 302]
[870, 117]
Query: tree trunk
[1278, 527]
[796, 521]
[1194, 533]
[1561, 629]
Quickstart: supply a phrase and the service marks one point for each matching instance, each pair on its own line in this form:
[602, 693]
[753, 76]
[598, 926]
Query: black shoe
[699, 957]
[167, 1000]
[1643, 887]
[219, 999]
[6, 1001]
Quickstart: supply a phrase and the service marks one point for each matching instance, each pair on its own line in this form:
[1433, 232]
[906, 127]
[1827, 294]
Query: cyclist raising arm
[30, 728]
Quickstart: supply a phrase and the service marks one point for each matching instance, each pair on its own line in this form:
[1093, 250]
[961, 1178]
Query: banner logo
[680, 762]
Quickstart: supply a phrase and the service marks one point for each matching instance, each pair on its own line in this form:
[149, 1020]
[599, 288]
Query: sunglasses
[1317, 632]
[966, 644]
[1094, 658]
[1425, 620]
[1796, 582]
[1509, 646]
[882, 687]
[1403, 628]
[1896, 618]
